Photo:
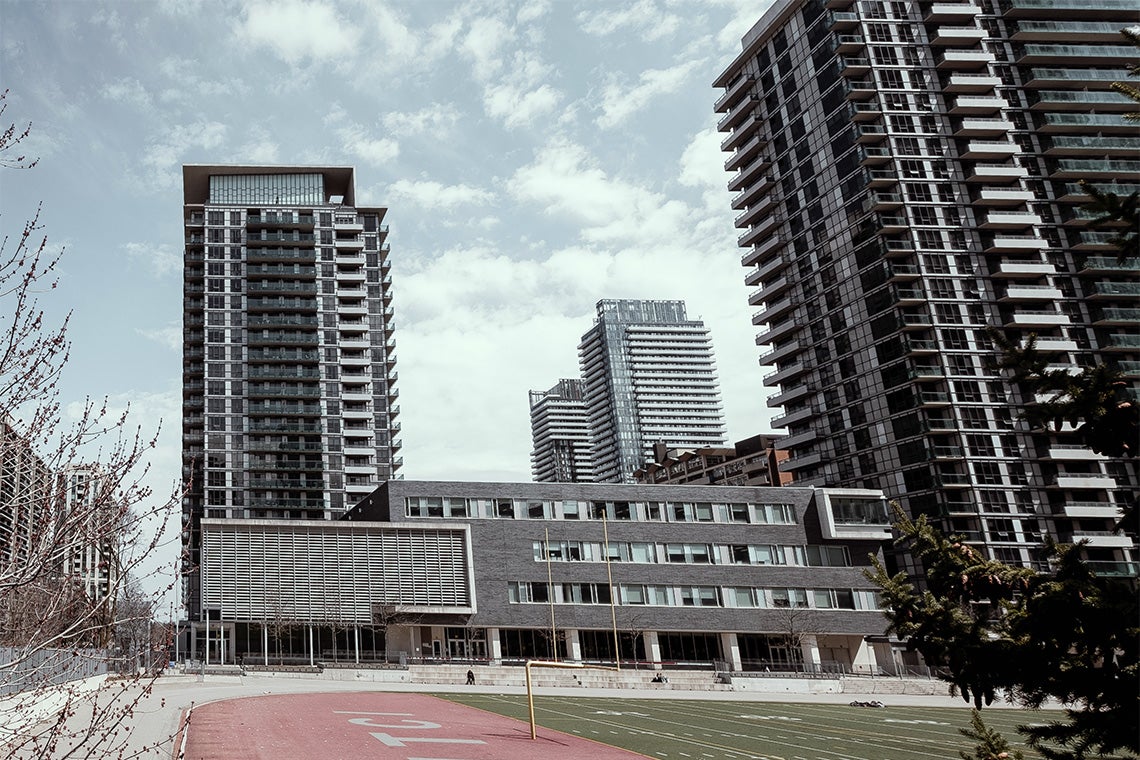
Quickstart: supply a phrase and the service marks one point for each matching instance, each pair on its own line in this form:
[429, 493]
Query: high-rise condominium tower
[560, 429]
[288, 374]
[649, 378]
[906, 179]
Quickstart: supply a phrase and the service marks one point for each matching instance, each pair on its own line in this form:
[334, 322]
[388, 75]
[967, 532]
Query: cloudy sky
[535, 157]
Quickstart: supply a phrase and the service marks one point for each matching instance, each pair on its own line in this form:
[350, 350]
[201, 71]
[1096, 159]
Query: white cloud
[127, 90]
[433, 195]
[518, 107]
[619, 103]
[261, 148]
[438, 118]
[169, 336]
[159, 260]
[482, 43]
[163, 154]
[357, 140]
[648, 18]
[523, 95]
[297, 30]
[567, 181]
[532, 11]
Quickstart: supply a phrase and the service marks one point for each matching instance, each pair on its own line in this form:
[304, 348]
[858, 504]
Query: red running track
[372, 725]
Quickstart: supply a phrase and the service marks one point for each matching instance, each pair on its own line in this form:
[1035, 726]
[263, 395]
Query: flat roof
[339, 180]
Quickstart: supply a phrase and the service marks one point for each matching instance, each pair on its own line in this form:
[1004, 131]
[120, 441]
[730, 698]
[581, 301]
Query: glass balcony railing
[1079, 75]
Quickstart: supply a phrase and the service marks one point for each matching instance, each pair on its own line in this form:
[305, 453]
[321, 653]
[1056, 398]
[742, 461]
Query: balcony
[1073, 452]
[794, 416]
[783, 351]
[1000, 173]
[761, 252]
[785, 396]
[753, 192]
[1048, 344]
[745, 130]
[744, 176]
[970, 83]
[870, 133]
[1083, 55]
[797, 440]
[969, 105]
[935, 399]
[771, 311]
[860, 89]
[1022, 292]
[958, 36]
[988, 149]
[1092, 509]
[879, 201]
[733, 93]
[745, 152]
[941, 13]
[1008, 220]
[1103, 539]
[1125, 342]
[1069, 9]
[964, 60]
[782, 375]
[847, 44]
[919, 346]
[902, 272]
[873, 156]
[854, 66]
[1028, 318]
[1015, 244]
[738, 114]
[265, 238]
[777, 331]
[1099, 124]
[911, 296]
[1114, 316]
[1023, 270]
[977, 127]
[800, 461]
[1113, 290]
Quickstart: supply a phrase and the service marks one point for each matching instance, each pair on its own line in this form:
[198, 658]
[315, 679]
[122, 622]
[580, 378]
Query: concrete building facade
[750, 577]
[560, 432]
[905, 176]
[649, 378]
[289, 396]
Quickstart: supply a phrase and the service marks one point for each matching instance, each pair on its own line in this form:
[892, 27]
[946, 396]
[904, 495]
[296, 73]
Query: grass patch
[676, 729]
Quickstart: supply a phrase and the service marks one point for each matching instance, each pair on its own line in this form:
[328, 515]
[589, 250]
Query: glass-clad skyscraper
[649, 378]
[906, 179]
[288, 355]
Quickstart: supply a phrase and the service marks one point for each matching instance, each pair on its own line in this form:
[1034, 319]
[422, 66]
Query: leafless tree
[795, 623]
[385, 617]
[64, 555]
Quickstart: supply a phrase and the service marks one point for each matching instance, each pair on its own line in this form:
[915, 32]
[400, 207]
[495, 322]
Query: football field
[676, 729]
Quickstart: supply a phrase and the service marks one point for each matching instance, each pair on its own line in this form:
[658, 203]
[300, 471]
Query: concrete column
[265, 642]
[730, 648]
[865, 660]
[312, 657]
[356, 642]
[652, 648]
[207, 639]
[810, 649]
[494, 646]
[573, 645]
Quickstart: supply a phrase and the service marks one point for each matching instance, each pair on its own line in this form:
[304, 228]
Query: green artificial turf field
[768, 730]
